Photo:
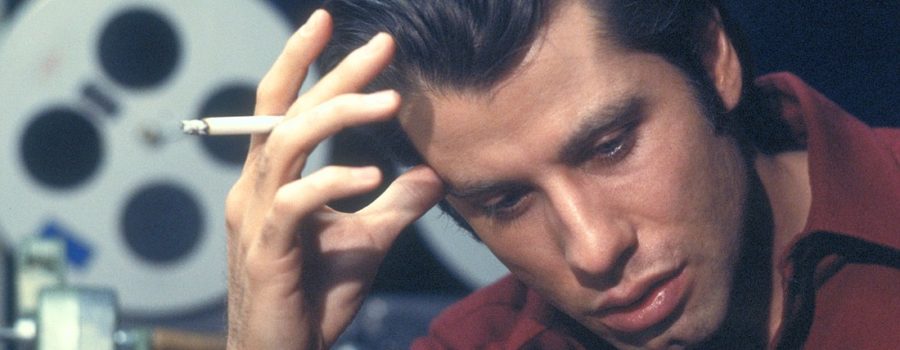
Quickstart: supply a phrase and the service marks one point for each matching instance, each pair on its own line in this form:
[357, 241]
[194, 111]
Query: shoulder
[890, 139]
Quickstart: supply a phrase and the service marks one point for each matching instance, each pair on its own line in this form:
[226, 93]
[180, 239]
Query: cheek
[530, 252]
[527, 251]
[691, 184]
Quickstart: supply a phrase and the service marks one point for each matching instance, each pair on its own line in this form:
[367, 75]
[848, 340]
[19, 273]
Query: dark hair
[441, 44]
[472, 45]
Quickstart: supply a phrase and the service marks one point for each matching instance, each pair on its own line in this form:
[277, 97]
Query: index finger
[279, 87]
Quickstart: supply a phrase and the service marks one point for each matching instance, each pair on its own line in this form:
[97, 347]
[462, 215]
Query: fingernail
[312, 22]
[382, 97]
[366, 173]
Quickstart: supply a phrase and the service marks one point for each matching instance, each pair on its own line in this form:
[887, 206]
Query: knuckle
[263, 160]
[232, 221]
[264, 88]
[283, 202]
[277, 137]
[234, 207]
[265, 239]
[295, 46]
[254, 264]
[266, 91]
[260, 186]
[277, 149]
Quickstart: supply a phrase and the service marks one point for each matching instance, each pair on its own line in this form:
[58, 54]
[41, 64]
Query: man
[613, 154]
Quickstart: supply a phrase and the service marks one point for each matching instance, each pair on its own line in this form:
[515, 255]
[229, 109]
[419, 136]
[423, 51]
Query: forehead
[570, 69]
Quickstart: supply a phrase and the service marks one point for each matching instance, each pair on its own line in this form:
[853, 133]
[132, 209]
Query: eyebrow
[596, 122]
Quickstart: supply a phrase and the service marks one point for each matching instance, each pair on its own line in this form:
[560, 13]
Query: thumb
[404, 201]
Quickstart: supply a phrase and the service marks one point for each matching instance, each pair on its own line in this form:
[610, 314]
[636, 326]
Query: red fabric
[855, 182]
[505, 315]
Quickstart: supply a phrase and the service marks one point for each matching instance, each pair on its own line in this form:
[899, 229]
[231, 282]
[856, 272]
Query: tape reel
[5, 7]
[87, 151]
[467, 258]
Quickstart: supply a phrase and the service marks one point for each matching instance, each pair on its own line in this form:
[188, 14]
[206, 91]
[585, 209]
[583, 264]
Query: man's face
[592, 174]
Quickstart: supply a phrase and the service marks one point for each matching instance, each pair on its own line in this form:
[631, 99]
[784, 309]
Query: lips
[646, 306]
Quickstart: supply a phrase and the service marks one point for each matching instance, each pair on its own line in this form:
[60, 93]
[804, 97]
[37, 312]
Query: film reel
[5, 9]
[467, 258]
[88, 152]
[91, 103]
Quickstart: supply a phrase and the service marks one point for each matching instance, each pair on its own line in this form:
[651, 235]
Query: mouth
[647, 306]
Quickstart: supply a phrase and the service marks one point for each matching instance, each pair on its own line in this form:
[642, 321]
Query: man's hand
[299, 270]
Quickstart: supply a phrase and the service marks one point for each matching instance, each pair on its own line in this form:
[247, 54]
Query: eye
[504, 206]
[609, 148]
[614, 146]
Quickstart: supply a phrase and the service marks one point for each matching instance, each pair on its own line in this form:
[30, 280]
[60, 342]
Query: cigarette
[236, 125]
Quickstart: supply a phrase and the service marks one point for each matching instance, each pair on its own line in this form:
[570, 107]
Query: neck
[747, 318]
[785, 178]
[778, 202]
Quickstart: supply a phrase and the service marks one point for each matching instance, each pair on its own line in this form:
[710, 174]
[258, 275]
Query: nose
[596, 240]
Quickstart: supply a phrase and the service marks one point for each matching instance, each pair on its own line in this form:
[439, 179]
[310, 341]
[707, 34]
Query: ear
[722, 64]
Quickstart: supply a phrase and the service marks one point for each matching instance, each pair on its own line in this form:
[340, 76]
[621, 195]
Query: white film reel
[467, 258]
[4, 13]
[86, 151]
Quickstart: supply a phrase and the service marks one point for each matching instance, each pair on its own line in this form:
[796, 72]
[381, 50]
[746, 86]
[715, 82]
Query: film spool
[5, 8]
[90, 149]
[465, 257]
